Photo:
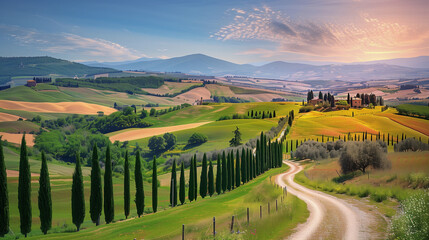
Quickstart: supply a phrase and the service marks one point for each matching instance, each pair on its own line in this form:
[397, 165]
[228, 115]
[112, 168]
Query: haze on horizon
[238, 31]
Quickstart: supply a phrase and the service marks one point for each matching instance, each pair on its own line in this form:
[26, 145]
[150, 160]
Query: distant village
[328, 100]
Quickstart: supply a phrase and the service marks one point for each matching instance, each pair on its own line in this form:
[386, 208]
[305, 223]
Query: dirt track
[149, 132]
[60, 107]
[330, 217]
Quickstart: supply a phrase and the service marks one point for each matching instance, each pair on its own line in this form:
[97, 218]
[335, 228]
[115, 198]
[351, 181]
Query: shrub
[306, 109]
[156, 144]
[411, 144]
[412, 221]
[197, 139]
[316, 150]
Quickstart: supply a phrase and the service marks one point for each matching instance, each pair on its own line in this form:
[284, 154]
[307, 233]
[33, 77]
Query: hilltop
[41, 66]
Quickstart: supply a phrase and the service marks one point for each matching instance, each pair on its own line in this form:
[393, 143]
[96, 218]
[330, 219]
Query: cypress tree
[224, 173]
[44, 199]
[211, 179]
[243, 166]
[154, 186]
[195, 178]
[237, 170]
[78, 195]
[96, 199]
[191, 181]
[218, 176]
[4, 198]
[139, 186]
[203, 178]
[24, 190]
[109, 205]
[126, 186]
[248, 165]
[182, 184]
[232, 170]
[228, 171]
[173, 185]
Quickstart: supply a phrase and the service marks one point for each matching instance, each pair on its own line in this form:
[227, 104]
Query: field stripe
[149, 132]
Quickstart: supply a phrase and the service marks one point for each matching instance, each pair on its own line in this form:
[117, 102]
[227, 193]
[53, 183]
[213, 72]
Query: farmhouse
[315, 102]
[355, 102]
[31, 83]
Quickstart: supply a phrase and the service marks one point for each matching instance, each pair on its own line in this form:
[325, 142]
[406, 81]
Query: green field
[18, 127]
[413, 110]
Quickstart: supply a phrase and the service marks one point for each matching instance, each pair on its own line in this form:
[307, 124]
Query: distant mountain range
[42, 66]
[116, 64]
[206, 65]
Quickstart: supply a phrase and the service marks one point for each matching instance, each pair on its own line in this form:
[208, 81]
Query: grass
[18, 127]
[166, 224]
[239, 90]
[30, 115]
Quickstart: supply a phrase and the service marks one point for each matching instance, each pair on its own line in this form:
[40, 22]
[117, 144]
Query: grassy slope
[18, 127]
[197, 216]
[314, 124]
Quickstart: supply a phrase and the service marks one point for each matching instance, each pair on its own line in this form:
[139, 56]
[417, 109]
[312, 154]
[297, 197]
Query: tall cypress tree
[173, 185]
[195, 178]
[78, 195]
[96, 199]
[232, 170]
[109, 205]
[44, 199]
[224, 173]
[250, 164]
[228, 166]
[219, 176]
[182, 183]
[211, 179]
[154, 186]
[237, 170]
[4, 198]
[139, 186]
[191, 181]
[203, 177]
[126, 186]
[24, 190]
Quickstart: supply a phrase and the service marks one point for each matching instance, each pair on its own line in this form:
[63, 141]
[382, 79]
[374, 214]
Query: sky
[242, 31]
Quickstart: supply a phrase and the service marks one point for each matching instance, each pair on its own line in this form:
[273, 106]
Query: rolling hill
[42, 66]
[203, 64]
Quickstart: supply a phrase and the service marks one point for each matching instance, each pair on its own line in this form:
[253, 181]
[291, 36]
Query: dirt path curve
[330, 217]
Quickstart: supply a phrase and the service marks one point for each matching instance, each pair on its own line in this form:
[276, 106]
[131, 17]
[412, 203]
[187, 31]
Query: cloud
[71, 44]
[361, 39]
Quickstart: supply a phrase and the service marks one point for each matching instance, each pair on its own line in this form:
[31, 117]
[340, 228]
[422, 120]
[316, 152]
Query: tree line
[233, 170]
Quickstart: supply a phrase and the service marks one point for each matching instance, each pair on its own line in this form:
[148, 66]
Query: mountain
[42, 66]
[202, 64]
[415, 62]
[115, 64]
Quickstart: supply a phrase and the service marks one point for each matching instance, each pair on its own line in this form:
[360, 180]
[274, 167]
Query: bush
[316, 150]
[360, 155]
[306, 109]
[197, 139]
[412, 221]
[156, 144]
[411, 144]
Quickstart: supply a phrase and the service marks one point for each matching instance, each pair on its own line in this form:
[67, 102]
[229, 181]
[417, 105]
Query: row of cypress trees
[232, 171]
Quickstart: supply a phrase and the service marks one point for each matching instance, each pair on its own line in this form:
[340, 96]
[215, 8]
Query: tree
[170, 140]
[243, 165]
[195, 178]
[126, 186]
[24, 190]
[143, 114]
[78, 195]
[139, 186]
[197, 139]
[236, 140]
[173, 185]
[218, 175]
[228, 172]
[274, 114]
[320, 95]
[96, 199]
[224, 173]
[237, 169]
[191, 181]
[203, 177]
[44, 199]
[154, 186]
[360, 155]
[109, 205]
[4, 198]
[348, 98]
[211, 179]
[182, 184]
[152, 112]
[156, 144]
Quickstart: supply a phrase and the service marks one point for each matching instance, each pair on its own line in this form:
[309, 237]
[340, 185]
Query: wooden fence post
[260, 211]
[268, 208]
[214, 226]
[276, 206]
[248, 216]
[232, 224]
[183, 231]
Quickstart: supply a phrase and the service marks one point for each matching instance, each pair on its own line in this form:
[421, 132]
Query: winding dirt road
[330, 217]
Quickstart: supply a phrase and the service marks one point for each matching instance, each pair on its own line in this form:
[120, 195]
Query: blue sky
[238, 31]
